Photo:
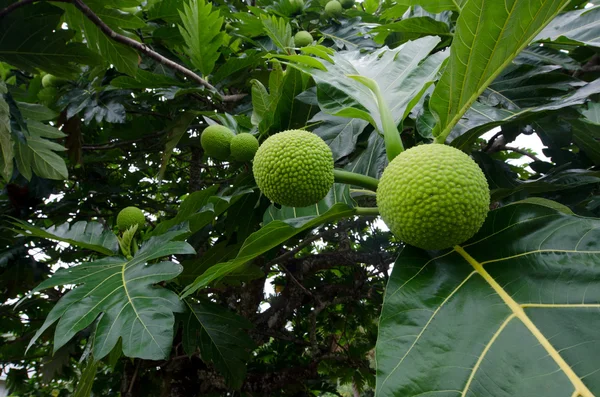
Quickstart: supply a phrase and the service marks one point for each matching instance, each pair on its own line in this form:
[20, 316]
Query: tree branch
[521, 151]
[87, 11]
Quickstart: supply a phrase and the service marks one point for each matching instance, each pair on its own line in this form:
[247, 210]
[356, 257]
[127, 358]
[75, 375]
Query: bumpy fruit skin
[302, 39]
[243, 147]
[130, 216]
[215, 141]
[347, 3]
[433, 197]
[294, 168]
[333, 9]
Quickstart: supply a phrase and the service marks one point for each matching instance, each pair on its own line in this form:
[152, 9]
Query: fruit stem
[393, 141]
[366, 211]
[352, 178]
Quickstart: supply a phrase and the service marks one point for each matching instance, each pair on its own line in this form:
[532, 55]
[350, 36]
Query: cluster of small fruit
[220, 143]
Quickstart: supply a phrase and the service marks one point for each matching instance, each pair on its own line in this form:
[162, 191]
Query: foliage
[224, 292]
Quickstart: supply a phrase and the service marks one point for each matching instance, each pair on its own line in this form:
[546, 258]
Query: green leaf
[165, 9]
[586, 135]
[372, 160]
[144, 79]
[222, 339]
[36, 111]
[413, 28]
[88, 235]
[578, 27]
[7, 152]
[86, 381]
[126, 239]
[592, 113]
[489, 35]
[434, 6]
[268, 237]
[113, 17]
[350, 34]
[201, 31]
[30, 40]
[177, 131]
[339, 133]
[512, 312]
[339, 193]
[537, 56]
[124, 295]
[37, 155]
[279, 31]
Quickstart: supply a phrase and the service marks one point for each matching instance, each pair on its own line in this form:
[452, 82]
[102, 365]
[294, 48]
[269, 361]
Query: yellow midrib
[580, 388]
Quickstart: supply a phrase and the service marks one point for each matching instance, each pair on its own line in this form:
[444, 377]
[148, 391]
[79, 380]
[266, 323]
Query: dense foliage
[222, 292]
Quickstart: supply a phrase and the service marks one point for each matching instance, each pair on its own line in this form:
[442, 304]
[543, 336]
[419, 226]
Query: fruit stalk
[351, 178]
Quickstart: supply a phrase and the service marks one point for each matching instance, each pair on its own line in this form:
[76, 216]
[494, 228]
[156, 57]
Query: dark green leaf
[86, 381]
[496, 316]
[123, 294]
[279, 31]
[537, 56]
[338, 132]
[587, 136]
[7, 152]
[575, 28]
[144, 79]
[222, 339]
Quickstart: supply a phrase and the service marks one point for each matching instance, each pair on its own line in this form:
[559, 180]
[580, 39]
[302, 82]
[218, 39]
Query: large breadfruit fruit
[433, 196]
[294, 168]
[130, 216]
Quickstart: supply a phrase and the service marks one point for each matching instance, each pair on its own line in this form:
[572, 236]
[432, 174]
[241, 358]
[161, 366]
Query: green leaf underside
[221, 337]
[89, 235]
[574, 27]
[489, 35]
[123, 294]
[268, 237]
[498, 316]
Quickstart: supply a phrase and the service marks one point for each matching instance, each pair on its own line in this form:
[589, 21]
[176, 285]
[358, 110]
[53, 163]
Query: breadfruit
[50, 80]
[347, 3]
[294, 168]
[243, 147]
[302, 39]
[297, 6]
[215, 141]
[333, 9]
[433, 196]
[130, 216]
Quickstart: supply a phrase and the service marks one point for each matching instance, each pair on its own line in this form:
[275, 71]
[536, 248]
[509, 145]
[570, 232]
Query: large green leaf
[7, 152]
[30, 39]
[37, 155]
[402, 74]
[578, 27]
[279, 31]
[587, 136]
[489, 35]
[124, 297]
[221, 337]
[268, 237]
[412, 28]
[513, 312]
[88, 235]
[201, 31]
[340, 133]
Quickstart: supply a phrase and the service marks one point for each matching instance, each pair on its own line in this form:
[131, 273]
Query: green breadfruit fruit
[333, 9]
[297, 6]
[130, 216]
[347, 3]
[433, 197]
[294, 168]
[215, 141]
[243, 147]
[302, 39]
[52, 81]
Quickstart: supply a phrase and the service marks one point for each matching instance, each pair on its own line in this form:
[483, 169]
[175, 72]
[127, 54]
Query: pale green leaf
[279, 31]
[577, 27]
[489, 35]
[592, 113]
[201, 31]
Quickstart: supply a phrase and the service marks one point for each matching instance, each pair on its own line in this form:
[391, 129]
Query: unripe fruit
[297, 6]
[215, 141]
[243, 147]
[333, 9]
[53, 81]
[433, 196]
[347, 3]
[130, 216]
[302, 39]
[294, 168]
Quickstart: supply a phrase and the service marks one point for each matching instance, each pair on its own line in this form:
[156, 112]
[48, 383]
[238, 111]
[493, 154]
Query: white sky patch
[523, 141]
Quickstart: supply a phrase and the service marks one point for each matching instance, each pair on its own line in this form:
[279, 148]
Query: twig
[137, 368]
[521, 151]
[87, 11]
[112, 145]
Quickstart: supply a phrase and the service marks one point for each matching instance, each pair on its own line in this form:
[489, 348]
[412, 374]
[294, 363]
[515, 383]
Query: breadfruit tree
[300, 198]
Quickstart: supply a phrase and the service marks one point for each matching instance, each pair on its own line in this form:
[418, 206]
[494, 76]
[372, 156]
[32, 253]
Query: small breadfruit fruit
[243, 147]
[302, 39]
[297, 6]
[294, 168]
[347, 3]
[333, 9]
[50, 80]
[130, 216]
[433, 196]
[216, 140]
